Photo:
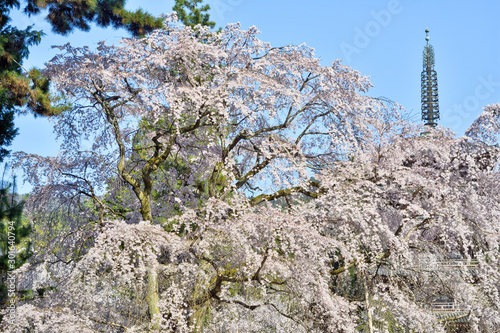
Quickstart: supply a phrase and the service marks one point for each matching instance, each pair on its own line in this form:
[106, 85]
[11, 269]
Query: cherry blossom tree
[245, 105]
[486, 127]
[273, 194]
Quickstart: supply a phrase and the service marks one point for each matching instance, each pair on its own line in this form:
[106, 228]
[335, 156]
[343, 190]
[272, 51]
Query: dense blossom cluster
[273, 195]
[487, 126]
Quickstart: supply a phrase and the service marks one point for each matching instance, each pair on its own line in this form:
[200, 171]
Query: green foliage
[65, 16]
[7, 129]
[189, 13]
[14, 44]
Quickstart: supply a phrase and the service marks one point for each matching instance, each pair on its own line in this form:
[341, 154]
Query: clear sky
[382, 39]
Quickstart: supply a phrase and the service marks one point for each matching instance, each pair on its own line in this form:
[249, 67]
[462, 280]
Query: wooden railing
[445, 307]
[450, 263]
[458, 263]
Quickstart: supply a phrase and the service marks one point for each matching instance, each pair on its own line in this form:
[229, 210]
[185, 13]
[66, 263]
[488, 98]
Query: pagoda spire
[430, 104]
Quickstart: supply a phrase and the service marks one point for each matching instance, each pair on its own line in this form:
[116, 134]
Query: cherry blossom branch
[285, 192]
[109, 323]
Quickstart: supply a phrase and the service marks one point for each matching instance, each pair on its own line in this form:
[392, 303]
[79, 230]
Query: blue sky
[382, 39]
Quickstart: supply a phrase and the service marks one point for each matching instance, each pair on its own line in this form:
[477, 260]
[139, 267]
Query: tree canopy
[189, 13]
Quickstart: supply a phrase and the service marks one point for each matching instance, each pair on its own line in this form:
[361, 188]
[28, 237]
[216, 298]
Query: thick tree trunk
[145, 209]
[152, 274]
[152, 298]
